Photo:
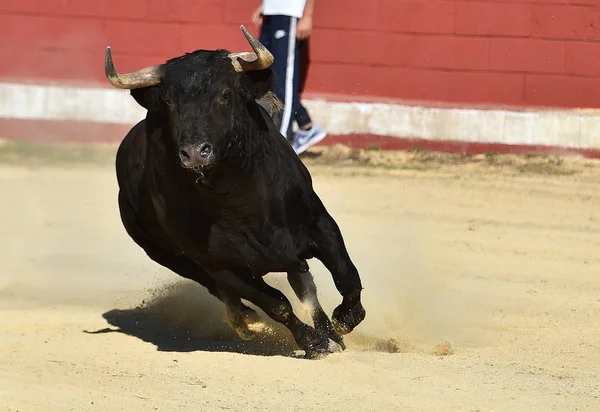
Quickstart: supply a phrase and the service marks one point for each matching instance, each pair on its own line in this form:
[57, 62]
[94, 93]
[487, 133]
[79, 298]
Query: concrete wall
[465, 76]
[507, 52]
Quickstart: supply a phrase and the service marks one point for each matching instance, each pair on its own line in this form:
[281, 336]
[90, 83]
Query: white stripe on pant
[289, 78]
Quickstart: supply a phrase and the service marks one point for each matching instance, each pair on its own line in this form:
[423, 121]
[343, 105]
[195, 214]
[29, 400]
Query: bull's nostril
[184, 155]
[205, 150]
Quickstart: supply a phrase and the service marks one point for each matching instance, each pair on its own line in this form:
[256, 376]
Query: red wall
[536, 52]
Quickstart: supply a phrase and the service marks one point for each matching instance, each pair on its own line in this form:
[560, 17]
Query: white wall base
[563, 128]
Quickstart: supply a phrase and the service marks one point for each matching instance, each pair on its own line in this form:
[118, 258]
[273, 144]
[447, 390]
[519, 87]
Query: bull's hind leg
[328, 246]
[239, 316]
[278, 307]
[304, 286]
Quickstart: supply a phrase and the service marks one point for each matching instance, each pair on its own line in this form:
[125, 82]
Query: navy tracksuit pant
[278, 34]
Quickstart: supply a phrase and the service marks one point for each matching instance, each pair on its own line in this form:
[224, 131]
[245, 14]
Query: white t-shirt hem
[293, 8]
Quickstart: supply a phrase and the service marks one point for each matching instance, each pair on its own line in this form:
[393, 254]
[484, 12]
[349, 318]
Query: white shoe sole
[311, 142]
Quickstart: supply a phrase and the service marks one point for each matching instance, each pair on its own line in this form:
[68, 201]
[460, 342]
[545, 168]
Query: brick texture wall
[507, 52]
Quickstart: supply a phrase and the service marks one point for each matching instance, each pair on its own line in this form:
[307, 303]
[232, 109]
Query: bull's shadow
[183, 317]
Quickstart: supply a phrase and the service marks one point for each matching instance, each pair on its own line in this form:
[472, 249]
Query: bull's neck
[246, 151]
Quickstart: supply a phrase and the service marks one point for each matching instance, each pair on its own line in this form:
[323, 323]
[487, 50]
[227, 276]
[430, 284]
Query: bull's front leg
[304, 286]
[277, 306]
[328, 246]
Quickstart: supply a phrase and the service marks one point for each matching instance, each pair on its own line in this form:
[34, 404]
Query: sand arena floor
[481, 275]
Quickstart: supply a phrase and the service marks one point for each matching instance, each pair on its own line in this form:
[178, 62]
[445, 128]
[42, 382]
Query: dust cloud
[410, 307]
[409, 302]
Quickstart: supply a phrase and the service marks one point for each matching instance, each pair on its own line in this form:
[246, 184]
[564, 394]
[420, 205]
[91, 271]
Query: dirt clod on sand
[443, 349]
[392, 345]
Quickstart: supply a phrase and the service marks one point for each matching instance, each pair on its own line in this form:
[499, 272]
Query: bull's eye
[225, 96]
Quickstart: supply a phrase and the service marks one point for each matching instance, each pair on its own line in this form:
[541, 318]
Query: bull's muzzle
[196, 156]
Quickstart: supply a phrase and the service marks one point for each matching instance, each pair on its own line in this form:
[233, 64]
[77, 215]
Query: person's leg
[302, 117]
[266, 32]
[283, 48]
[304, 51]
[308, 132]
[287, 51]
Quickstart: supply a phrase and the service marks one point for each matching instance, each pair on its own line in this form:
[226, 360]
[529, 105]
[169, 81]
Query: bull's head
[202, 96]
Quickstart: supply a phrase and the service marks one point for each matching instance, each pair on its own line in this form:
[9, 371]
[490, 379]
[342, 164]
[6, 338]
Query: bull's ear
[257, 82]
[147, 97]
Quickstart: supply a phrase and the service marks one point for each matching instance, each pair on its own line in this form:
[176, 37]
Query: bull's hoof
[323, 352]
[347, 317]
[317, 351]
[239, 321]
[332, 335]
[316, 354]
[324, 326]
[339, 340]
[316, 345]
[243, 332]
[334, 347]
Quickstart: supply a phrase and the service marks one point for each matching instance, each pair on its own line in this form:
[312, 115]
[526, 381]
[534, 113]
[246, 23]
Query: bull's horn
[246, 61]
[149, 76]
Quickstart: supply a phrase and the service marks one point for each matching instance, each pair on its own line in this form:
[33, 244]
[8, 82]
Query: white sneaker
[307, 138]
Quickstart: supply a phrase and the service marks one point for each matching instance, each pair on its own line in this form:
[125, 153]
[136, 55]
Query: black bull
[211, 190]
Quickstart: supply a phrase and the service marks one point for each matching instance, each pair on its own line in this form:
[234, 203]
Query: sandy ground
[482, 291]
